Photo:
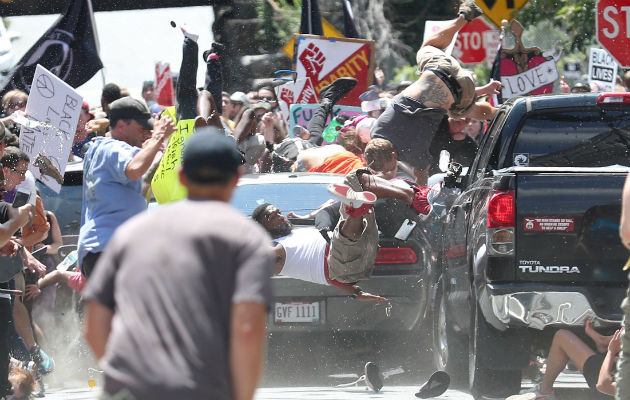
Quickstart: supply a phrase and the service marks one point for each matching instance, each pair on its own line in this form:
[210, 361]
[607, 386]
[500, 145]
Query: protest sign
[602, 69]
[301, 114]
[299, 92]
[53, 107]
[321, 60]
[164, 91]
[526, 70]
[165, 183]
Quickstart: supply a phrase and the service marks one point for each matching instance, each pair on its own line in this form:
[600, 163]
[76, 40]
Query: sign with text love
[321, 60]
[56, 106]
[602, 69]
[165, 183]
[301, 114]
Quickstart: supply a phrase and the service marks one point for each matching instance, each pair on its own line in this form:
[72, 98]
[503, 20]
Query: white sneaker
[189, 32]
[349, 197]
[532, 393]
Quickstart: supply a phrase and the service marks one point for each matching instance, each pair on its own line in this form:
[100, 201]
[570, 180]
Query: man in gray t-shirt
[177, 305]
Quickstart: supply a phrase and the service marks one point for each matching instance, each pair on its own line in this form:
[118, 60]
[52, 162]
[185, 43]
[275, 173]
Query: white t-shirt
[305, 249]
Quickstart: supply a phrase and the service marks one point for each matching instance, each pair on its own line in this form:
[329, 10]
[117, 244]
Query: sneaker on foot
[189, 32]
[436, 385]
[45, 364]
[533, 393]
[349, 197]
[336, 90]
[373, 377]
[214, 52]
[470, 10]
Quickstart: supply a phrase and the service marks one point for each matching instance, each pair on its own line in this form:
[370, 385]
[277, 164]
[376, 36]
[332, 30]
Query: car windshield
[591, 138]
[296, 197]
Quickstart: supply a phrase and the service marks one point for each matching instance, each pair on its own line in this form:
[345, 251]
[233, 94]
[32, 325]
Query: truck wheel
[483, 380]
[450, 350]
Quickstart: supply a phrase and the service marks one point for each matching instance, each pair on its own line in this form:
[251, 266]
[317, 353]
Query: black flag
[68, 49]
[495, 73]
[349, 29]
[311, 18]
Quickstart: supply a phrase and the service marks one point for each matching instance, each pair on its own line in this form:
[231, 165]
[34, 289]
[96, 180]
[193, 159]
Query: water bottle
[68, 262]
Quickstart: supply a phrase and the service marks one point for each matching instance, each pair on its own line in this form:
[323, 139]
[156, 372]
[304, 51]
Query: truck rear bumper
[538, 309]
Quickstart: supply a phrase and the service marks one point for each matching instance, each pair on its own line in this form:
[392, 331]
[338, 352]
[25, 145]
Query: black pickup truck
[531, 243]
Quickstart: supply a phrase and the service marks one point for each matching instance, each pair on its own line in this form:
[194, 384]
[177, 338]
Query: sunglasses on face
[269, 99]
[17, 171]
[17, 105]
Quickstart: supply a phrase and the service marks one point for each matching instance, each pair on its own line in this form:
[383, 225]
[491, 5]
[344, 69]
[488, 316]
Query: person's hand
[32, 291]
[97, 125]
[564, 88]
[365, 296]
[267, 127]
[10, 249]
[614, 346]
[493, 87]
[33, 264]
[163, 127]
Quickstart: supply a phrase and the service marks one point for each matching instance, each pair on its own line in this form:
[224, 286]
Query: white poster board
[58, 106]
[602, 69]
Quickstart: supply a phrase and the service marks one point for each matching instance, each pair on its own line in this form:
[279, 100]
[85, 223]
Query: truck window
[485, 158]
[574, 138]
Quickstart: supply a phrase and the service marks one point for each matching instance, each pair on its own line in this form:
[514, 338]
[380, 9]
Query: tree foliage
[574, 17]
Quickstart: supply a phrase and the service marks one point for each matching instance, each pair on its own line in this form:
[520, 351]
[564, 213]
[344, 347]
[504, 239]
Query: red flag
[164, 84]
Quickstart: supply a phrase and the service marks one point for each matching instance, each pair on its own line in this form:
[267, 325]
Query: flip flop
[435, 386]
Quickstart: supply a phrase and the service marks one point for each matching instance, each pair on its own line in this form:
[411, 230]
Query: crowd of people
[191, 323]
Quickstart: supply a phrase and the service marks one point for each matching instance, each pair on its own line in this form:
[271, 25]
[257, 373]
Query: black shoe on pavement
[469, 10]
[435, 386]
[373, 377]
[336, 90]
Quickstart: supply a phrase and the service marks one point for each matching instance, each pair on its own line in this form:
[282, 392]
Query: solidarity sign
[320, 60]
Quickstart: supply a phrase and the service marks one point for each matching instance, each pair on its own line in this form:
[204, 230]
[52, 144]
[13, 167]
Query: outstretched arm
[605, 382]
[354, 290]
[624, 226]
[481, 111]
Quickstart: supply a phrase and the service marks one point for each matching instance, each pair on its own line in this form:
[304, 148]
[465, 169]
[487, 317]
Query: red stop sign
[473, 40]
[613, 28]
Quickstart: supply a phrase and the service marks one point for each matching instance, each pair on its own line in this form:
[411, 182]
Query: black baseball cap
[210, 156]
[130, 108]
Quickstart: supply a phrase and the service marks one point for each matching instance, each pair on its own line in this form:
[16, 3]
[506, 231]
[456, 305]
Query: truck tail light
[614, 98]
[396, 255]
[501, 210]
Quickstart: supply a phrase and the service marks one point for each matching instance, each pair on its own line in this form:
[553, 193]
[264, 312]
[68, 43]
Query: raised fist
[313, 60]
[286, 95]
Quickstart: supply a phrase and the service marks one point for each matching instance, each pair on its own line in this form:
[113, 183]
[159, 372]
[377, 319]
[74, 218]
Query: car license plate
[297, 312]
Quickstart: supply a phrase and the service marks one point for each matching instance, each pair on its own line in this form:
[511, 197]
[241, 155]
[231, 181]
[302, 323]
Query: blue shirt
[109, 197]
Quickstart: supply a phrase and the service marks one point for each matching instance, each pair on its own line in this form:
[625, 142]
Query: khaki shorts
[432, 57]
[350, 261]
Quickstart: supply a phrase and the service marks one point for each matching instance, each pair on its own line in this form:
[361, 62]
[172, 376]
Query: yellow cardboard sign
[497, 10]
[327, 27]
[165, 183]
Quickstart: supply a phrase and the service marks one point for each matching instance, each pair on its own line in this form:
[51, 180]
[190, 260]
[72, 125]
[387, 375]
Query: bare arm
[491, 87]
[605, 382]
[97, 327]
[247, 344]
[481, 111]
[624, 225]
[361, 295]
[17, 219]
[140, 163]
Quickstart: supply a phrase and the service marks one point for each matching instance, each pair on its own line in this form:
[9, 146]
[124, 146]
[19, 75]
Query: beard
[281, 231]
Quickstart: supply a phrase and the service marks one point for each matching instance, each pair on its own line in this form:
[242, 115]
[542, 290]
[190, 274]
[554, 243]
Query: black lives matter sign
[602, 69]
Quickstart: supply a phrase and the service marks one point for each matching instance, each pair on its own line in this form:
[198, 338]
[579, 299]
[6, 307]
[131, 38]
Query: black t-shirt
[462, 151]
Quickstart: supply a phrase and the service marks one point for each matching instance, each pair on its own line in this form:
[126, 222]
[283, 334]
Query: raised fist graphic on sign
[312, 59]
[286, 95]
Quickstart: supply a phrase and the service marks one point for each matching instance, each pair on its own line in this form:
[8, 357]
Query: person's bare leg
[39, 333]
[23, 323]
[383, 188]
[565, 345]
[443, 38]
[352, 228]
[207, 108]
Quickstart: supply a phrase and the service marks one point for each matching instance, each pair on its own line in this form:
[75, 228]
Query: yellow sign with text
[165, 183]
[327, 27]
[497, 10]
